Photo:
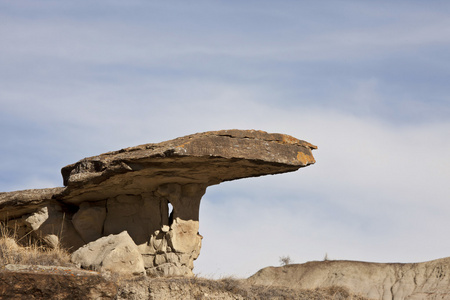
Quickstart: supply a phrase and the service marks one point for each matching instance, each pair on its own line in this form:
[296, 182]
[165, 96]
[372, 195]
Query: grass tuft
[31, 254]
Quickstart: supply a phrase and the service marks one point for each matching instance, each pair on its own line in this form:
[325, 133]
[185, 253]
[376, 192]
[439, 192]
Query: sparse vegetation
[32, 254]
[285, 260]
[192, 288]
[232, 288]
[251, 291]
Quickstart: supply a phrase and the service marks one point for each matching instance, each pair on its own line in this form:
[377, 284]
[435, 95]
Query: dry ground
[30, 283]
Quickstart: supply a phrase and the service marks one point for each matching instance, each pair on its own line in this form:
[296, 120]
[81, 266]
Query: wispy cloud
[365, 82]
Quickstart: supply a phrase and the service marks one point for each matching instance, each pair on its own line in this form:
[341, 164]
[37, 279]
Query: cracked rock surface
[131, 189]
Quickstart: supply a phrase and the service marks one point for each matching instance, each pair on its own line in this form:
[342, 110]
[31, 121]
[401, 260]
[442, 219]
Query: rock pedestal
[131, 189]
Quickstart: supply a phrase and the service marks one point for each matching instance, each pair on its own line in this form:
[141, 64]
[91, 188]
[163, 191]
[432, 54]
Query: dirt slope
[52, 282]
[393, 281]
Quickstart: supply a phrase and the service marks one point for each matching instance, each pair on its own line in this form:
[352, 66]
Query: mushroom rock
[131, 189]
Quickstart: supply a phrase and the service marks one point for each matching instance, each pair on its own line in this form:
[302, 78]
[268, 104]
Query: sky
[365, 81]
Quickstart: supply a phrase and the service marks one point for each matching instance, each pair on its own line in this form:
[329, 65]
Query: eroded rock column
[168, 243]
[178, 244]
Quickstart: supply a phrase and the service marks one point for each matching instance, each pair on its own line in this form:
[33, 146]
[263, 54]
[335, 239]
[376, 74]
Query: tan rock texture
[203, 158]
[393, 281]
[51, 225]
[131, 189]
[113, 253]
[43, 282]
[38, 282]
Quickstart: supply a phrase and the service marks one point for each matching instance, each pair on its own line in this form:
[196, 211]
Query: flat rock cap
[204, 158]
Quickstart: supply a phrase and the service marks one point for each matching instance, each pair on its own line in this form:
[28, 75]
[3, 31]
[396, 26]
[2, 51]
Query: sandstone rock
[427, 280]
[205, 158]
[131, 190]
[51, 225]
[36, 282]
[16, 204]
[89, 219]
[113, 253]
[183, 236]
[140, 215]
[40, 282]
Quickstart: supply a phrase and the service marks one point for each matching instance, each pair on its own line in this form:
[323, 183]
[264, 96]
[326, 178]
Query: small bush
[285, 260]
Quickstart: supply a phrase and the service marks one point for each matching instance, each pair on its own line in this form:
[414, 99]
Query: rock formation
[60, 283]
[113, 253]
[50, 282]
[131, 189]
[427, 280]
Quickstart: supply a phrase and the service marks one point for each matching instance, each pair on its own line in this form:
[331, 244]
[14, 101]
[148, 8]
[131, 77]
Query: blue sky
[366, 81]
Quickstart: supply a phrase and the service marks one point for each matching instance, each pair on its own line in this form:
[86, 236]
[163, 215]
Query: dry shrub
[285, 260]
[338, 293]
[232, 284]
[32, 254]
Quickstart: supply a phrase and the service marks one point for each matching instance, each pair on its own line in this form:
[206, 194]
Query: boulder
[131, 190]
[112, 253]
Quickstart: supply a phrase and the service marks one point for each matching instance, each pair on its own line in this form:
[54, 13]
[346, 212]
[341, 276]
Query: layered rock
[52, 282]
[131, 189]
[426, 280]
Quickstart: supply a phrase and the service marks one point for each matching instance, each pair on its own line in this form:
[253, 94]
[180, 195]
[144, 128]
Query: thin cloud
[362, 81]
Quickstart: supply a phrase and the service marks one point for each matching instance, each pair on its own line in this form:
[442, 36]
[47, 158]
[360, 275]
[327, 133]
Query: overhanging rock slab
[204, 158]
